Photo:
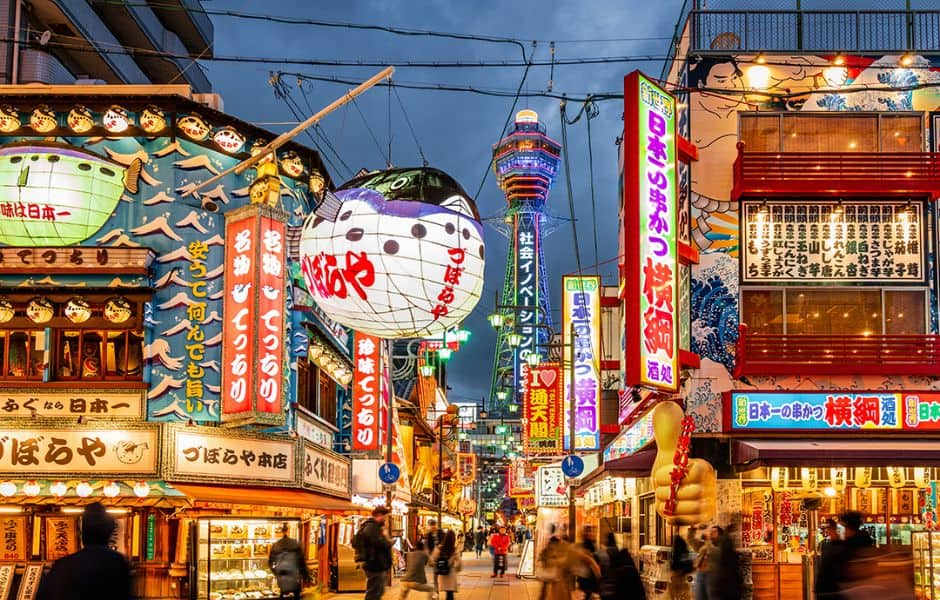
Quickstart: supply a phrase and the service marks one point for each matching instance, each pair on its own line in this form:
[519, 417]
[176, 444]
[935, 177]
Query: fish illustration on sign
[53, 194]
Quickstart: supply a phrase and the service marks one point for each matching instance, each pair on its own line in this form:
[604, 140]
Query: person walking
[500, 543]
[831, 563]
[620, 578]
[374, 553]
[724, 571]
[433, 537]
[574, 564]
[680, 567]
[589, 581]
[548, 563]
[447, 564]
[286, 560]
[95, 572]
[480, 540]
[415, 577]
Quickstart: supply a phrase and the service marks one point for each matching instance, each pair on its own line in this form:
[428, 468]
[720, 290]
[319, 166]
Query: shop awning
[637, 464]
[835, 453]
[259, 496]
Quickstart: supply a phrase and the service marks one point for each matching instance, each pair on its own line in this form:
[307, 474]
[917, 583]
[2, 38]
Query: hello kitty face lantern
[395, 254]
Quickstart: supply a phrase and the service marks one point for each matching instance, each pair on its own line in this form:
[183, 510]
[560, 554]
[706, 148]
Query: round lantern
[77, 310]
[80, 119]
[6, 310]
[9, 119]
[111, 490]
[42, 119]
[141, 489]
[193, 127]
[395, 253]
[117, 310]
[58, 489]
[116, 119]
[31, 488]
[40, 310]
[152, 120]
[83, 490]
[7, 489]
[228, 139]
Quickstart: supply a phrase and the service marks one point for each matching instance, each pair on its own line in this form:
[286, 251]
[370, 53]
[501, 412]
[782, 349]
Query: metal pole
[571, 430]
[285, 137]
[440, 470]
[388, 425]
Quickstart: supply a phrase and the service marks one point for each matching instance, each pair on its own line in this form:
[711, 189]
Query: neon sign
[582, 308]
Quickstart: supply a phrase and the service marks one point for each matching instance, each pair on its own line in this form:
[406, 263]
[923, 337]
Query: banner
[466, 468]
[541, 396]
[581, 307]
[366, 391]
[650, 269]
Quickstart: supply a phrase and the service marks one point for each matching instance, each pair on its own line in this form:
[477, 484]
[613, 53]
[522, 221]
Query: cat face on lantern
[400, 253]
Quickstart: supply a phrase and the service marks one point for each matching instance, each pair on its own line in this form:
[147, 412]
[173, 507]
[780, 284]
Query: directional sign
[389, 473]
[572, 466]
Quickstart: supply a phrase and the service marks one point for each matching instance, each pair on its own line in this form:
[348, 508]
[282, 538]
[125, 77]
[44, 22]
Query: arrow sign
[572, 466]
[389, 473]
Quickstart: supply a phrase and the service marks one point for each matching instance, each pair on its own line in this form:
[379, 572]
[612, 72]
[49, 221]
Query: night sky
[456, 130]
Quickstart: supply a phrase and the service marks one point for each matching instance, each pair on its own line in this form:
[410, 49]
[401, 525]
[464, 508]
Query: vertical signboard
[542, 392]
[649, 235]
[527, 287]
[581, 308]
[366, 391]
[254, 306]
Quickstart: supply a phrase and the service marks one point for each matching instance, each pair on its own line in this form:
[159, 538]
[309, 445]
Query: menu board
[870, 241]
[61, 537]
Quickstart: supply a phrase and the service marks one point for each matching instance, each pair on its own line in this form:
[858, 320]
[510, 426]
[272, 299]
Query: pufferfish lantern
[395, 253]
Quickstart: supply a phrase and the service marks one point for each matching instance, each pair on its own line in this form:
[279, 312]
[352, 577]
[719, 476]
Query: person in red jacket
[500, 543]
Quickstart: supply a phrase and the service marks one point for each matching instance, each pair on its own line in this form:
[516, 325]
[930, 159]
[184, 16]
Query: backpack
[442, 567]
[287, 572]
[360, 545]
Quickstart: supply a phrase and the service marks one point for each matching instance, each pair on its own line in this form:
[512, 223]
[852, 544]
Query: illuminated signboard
[527, 287]
[582, 308]
[649, 235]
[253, 329]
[835, 411]
[542, 394]
[785, 242]
[521, 476]
[366, 391]
[550, 487]
[632, 439]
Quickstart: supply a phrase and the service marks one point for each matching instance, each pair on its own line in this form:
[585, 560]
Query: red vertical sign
[253, 315]
[366, 391]
[542, 408]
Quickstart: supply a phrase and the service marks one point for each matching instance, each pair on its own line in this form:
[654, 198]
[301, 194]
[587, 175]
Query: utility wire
[319, 132]
[371, 132]
[574, 224]
[414, 136]
[592, 113]
[281, 93]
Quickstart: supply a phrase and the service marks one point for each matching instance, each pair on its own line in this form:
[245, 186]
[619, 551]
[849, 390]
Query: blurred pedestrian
[680, 568]
[620, 579]
[480, 539]
[93, 573]
[724, 571]
[546, 568]
[374, 552]
[831, 562]
[415, 577]
[700, 544]
[500, 543]
[588, 583]
[447, 564]
[433, 536]
[286, 560]
[574, 564]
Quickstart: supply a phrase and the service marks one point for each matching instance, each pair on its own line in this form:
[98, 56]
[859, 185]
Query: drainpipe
[15, 73]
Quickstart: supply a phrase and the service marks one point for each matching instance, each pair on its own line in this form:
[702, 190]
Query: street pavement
[474, 584]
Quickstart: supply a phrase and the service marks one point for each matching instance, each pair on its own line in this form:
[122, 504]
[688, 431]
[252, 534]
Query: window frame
[878, 115]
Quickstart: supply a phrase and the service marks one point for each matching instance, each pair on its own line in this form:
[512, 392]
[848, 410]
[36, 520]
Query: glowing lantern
[58, 489]
[837, 478]
[228, 139]
[80, 119]
[117, 310]
[809, 479]
[6, 310]
[111, 490]
[40, 310]
[152, 120]
[779, 479]
[897, 478]
[7, 489]
[395, 254]
[31, 488]
[62, 194]
[141, 489]
[116, 120]
[9, 119]
[862, 477]
[921, 480]
[83, 490]
[77, 310]
[43, 120]
[317, 184]
[292, 164]
[193, 127]
[266, 188]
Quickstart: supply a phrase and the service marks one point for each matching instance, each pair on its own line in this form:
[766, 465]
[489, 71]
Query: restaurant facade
[158, 352]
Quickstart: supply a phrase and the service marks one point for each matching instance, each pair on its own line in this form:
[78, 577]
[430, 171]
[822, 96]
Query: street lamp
[501, 395]
[534, 359]
[496, 320]
[427, 370]
[463, 335]
[514, 339]
[445, 353]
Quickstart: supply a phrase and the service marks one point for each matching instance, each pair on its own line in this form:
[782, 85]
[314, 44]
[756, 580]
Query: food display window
[926, 564]
[231, 557]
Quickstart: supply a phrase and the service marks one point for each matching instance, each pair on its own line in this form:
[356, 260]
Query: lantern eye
[458, 204]
[419, 231]
[390, 247]
[355, 234]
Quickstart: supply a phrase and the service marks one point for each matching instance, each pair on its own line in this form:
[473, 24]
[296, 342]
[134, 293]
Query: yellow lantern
[266, 188]
[863, 477]
[837, 478]
[80, 119]
[43, 120]
[921, 479]
[809, 479]
[9, 119]
[896, 477]
[152, 120]
[779, 479]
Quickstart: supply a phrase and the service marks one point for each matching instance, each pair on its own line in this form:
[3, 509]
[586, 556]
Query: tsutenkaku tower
[526, 162]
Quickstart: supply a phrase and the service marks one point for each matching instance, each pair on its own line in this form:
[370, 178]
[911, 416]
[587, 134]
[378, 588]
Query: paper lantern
[837, 477]
[228, 139]
[6, 310]
[40, 310]
[9, 119]
[292, 164]
[779, 479]
[152, 120]
[897, 478]
[83, 490]
[862, 477]
[64, 196]
[31, 488]
[77, 310]
[395, 254]
[111, 490]
[58, 489]
[42, 119]
[7, 489]
[809, 479]
[141, 489]
[80, 119]
[921, 478]
[193, 127]
[117, 310]
[116, 120]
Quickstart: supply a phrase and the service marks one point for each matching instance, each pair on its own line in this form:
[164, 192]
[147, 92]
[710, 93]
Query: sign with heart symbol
[542, 402]
[548, 377]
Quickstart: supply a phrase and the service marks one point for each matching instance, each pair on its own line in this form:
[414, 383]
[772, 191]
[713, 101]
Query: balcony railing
[765, 354]
[904, 174]
[816, 31]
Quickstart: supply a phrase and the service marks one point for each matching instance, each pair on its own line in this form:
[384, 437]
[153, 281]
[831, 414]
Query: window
[90, 355]
[831, 132]
[22, 354]
[834, 311]
[316, 391]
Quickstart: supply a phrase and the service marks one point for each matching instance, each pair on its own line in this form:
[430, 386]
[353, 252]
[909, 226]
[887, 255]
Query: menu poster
[29, 584]
[13, 542]
[6, 579]
[61, 537]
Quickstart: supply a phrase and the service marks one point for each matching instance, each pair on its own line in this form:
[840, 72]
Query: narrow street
[475, 583]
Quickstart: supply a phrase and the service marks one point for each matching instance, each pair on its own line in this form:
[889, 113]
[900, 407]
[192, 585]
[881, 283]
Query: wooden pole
[285, 137]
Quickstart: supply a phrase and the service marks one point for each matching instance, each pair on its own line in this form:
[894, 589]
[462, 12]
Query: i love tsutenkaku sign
[650, 255]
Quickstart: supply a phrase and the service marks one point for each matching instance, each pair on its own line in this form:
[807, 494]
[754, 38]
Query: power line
[574, 224]
[414, 136]
[372, 133]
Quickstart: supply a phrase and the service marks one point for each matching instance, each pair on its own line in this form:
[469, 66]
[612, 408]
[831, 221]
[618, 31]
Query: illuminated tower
[526, 162]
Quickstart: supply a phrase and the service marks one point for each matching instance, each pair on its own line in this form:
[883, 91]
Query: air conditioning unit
[213, 101]
[37, 66]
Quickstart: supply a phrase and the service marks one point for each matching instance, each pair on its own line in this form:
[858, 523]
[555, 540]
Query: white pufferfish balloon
[396, 253]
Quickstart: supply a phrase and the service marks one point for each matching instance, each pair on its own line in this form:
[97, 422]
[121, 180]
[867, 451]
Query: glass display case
[926, 565]
[231, 557]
